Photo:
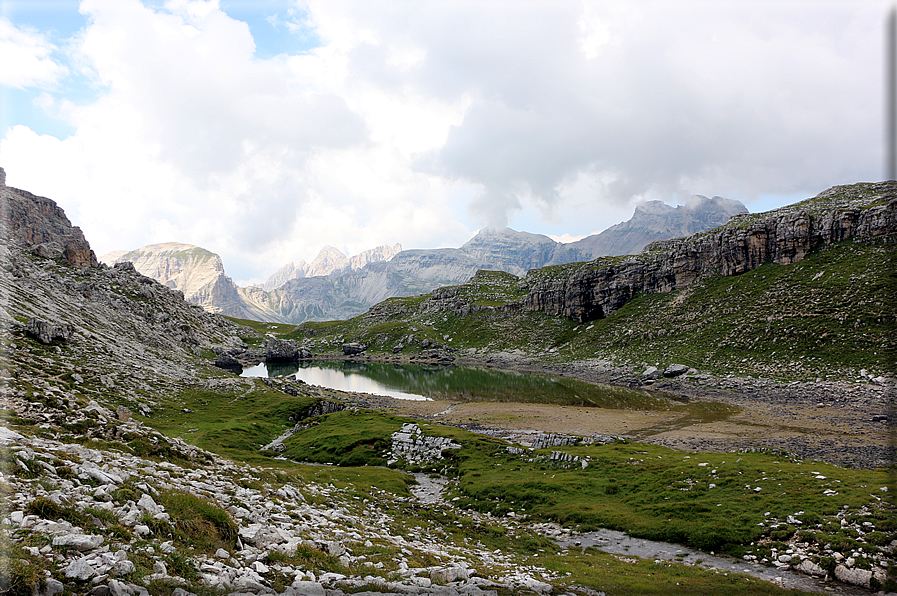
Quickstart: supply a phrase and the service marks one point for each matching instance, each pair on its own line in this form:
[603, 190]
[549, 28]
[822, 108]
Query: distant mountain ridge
[334, 286]
[655, 220]
[329, 261]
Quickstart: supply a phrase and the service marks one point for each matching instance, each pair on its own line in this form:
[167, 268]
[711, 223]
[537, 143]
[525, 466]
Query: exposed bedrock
[595, 289]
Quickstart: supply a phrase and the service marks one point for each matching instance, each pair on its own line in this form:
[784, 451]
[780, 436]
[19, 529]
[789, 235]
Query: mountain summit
[655, 220]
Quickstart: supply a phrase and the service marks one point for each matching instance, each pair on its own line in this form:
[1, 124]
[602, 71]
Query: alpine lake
[487, 389]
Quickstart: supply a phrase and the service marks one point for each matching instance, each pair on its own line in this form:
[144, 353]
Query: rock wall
[596, 289]
[39, 223]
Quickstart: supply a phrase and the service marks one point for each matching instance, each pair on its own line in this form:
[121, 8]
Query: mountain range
[334, 286]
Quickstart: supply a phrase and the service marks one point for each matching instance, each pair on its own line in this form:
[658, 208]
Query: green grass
[347, 438]
[197, 522]
[234, 422]
[663, 494]
[627, 576]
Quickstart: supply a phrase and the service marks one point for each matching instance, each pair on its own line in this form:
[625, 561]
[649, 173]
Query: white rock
[81, 542]
[307, 588]
[54, 586]
[445, 575]
[857, 577]
[148, 505]
[117, 588]
[81, 569]
[810, 568]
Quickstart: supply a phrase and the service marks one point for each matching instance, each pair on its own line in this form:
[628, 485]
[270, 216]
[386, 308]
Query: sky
[263, 130]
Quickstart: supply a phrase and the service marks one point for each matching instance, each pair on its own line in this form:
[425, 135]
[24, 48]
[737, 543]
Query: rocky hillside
[655, 220]
[97, 501]
[196, 272]
[596, 289]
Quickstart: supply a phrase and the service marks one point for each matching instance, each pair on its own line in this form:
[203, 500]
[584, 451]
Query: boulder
[675, 370]
[80, 542]
[281, 350]
[853, 576]
[228, 362]
[446, 575]
[45, 332]
[652, 373]
[353, 348]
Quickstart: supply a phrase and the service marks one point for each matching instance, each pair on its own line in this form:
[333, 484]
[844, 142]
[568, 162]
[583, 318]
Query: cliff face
[593, 290]
[41, 225]
[196, 272]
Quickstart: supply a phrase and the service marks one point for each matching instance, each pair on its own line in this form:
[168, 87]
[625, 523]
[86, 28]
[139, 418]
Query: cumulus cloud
[418, 122]
[25, 57]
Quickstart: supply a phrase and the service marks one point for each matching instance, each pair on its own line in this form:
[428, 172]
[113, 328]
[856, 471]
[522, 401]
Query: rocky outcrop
[281, 350]
[353, 348]
[41, 225]
[411, 446]
[595, 289]
[46, 332]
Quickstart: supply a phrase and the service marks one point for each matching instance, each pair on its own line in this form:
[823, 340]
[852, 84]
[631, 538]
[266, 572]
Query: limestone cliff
[586, 291]
[42, 226]
[196, 272]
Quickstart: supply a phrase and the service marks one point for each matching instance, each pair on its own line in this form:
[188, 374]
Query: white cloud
[417, 122]
[25, 57]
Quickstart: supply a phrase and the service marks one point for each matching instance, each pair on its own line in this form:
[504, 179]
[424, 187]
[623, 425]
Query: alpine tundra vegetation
[747, 374]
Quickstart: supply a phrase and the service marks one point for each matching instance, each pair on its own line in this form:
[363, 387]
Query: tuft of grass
[198, 522]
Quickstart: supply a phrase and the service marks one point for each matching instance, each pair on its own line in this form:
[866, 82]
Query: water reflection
[329, 377]
[416, 381]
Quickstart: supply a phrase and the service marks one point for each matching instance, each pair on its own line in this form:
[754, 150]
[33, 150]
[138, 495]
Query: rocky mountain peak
[330, 261]
[39, 224]
[655, 220]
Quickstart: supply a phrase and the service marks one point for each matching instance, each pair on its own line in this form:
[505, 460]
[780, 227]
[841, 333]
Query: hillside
[132, 465]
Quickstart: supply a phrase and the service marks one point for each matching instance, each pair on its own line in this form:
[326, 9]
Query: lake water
[416, 381]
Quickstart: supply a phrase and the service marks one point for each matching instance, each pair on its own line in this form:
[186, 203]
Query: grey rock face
[412, 446]
[46, 332]
[598, 288]
[41, 225]
[353, 348]
[281, 350]
[655, 220]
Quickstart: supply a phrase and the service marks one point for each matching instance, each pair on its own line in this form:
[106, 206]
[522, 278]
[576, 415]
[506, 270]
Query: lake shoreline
[829, 421]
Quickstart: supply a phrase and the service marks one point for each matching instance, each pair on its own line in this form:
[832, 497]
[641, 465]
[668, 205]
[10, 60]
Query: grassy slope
[827, 316]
